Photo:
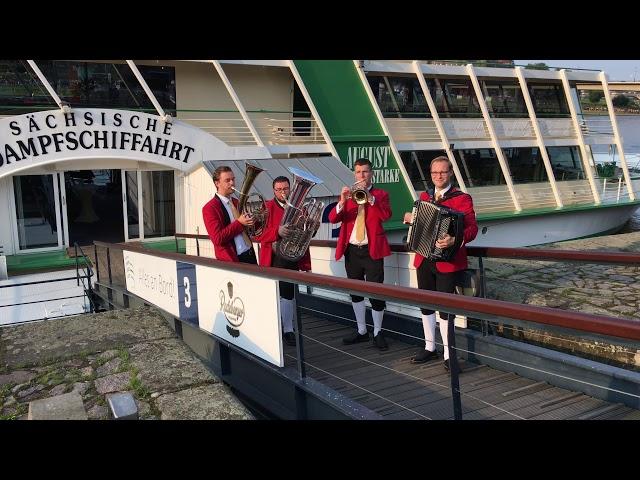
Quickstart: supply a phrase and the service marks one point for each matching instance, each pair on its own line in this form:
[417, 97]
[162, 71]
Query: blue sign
[187, 292]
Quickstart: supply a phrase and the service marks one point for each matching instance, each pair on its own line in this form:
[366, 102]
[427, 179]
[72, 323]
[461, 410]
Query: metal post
[95, 252]
[454, 368]
[176, 243]
[76, 258]
[619, 186]
[109, 264]
[299, 348]
[483, 323]
[197, 247]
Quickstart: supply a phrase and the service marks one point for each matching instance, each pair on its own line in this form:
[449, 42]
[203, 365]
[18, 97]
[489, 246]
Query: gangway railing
[482, 308]
[86, 273]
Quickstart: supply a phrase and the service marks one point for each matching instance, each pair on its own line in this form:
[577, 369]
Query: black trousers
[360, 266]
[430, 279]
[248, 257]
[286, 288]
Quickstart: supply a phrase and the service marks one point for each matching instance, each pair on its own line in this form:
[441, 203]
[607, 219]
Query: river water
[629, 126]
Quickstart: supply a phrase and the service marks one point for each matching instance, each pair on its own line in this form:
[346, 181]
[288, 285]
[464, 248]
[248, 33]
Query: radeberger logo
[233, 310]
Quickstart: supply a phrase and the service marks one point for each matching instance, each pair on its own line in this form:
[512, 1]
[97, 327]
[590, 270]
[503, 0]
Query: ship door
[93, 201]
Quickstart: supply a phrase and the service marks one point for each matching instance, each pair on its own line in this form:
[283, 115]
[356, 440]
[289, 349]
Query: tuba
[303, 219]
[359, 193]
[256, 208]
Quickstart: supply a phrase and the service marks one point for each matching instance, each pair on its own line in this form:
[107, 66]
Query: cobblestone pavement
[611, 290]
[99, 354]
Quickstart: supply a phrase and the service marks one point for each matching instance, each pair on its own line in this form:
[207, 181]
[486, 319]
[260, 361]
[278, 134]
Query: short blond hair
[441, 158]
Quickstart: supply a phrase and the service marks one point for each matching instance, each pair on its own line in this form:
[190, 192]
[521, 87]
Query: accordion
[430, 222]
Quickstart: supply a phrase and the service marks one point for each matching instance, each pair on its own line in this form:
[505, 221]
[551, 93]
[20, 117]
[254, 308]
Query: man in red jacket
[225, 225]
[273, 232]
[364, 245]
[441, 276]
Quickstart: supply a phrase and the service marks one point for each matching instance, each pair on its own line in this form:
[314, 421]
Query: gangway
[321, 378]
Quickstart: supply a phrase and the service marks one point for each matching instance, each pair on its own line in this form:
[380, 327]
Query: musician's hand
[345, 193]
[246, 219]
[284, 231]
[407, 217]
[370, 198]
[446, 241]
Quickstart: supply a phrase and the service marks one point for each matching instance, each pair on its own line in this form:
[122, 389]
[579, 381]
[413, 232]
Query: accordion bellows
[430, 222]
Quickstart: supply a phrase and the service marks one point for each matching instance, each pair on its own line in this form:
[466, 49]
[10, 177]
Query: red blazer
[374, 216]
[220, 233]
[270, 235]
[464, 204]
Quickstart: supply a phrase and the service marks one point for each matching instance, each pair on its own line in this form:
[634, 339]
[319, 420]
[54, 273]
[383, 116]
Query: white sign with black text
[153, 279]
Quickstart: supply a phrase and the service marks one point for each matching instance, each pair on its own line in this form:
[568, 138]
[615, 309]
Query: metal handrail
[481, 308]
[89, 274]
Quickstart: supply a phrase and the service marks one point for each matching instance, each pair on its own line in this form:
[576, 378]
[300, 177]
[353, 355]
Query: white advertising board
[241, 309]
[152, 278]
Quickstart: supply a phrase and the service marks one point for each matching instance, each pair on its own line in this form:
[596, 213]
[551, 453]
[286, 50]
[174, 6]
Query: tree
[621, 101]
[595, 96]
[537, 66]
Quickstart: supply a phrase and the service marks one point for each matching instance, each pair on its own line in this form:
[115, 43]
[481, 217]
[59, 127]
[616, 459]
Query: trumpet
[359, 194]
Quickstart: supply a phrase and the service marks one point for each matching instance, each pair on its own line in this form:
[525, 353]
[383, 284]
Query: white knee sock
[286, 312]
[444, 324]
[429, 327]
[377, 321]
[359, 310]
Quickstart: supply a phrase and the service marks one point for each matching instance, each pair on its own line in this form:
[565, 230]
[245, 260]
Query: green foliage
[595, 96]
[537, 66]
[141, 391]
[606, 170]
[621, 101]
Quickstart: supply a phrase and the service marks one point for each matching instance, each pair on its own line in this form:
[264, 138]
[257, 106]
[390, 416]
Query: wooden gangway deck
[390, 385]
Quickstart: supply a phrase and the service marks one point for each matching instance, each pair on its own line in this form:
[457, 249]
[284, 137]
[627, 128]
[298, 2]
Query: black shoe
[356, 338]
[424, 356]
[380, 342]
[445, 364]
[289, 338]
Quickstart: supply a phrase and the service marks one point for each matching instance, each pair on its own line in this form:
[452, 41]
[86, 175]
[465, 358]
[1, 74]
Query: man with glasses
[273, 232]
[441, 276]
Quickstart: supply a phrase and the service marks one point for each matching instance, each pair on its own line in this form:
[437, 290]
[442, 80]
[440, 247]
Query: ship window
[416, 163]
[479, 167]
[525, 164]
[503, 99]
[398, 97]
[20, 89]
[86, 84]
[548, 100]
[566, 163]
[454, 97]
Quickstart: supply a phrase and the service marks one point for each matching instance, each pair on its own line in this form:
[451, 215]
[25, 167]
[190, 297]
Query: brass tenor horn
[257, 209]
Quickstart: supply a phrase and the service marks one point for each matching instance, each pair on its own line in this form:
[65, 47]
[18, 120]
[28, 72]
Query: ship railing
[614, 190]
[284, 129]
[595, 125]
[413, 129]
[226, 125]
[491, 318]
[84, 271]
